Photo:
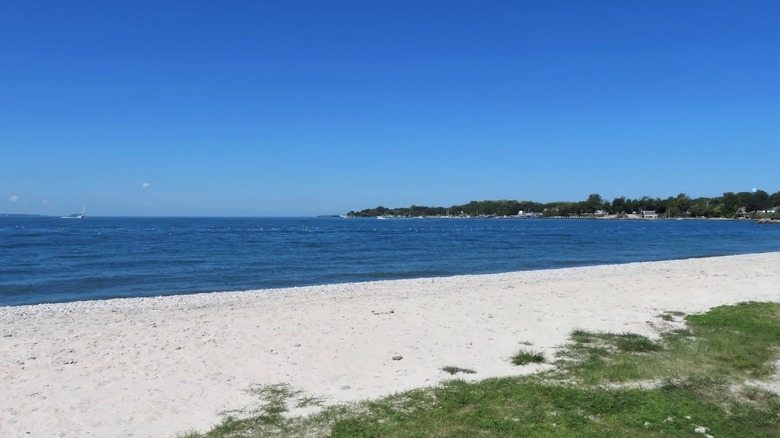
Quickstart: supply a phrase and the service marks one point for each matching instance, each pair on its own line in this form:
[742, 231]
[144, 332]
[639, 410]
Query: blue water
[45, 260]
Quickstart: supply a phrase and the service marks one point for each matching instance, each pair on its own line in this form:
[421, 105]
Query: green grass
[455, 370]
[268, 417]
[526, 356]
[697, 377]
[608, 357]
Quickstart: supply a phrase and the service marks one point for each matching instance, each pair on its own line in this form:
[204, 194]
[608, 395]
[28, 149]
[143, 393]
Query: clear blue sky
[260, 108]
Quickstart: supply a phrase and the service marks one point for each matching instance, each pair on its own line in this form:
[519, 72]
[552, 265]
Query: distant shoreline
[607, 217]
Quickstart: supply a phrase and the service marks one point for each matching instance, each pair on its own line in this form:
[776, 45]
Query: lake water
[44, 260]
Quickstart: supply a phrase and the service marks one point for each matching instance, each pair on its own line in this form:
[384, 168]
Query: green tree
[760, 200]
[729, 205]
[774, 200]
[619, 205]
[684, 203]
[593, 203]
[701, 207]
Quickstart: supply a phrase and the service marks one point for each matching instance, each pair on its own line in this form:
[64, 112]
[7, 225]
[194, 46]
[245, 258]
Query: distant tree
[647, 203]
[593, 203]
[729, 205]
[774, 199]
[631, 206]
[530, 206]
[760, 200]
[675, 206]
[618, 205]
[568, 209]
[701, 207]
[722, 206]
[683, 203]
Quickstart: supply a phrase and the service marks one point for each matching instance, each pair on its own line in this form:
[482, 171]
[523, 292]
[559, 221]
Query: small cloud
[145, 186]
[754, 190]
[45, 202]
[13, 198]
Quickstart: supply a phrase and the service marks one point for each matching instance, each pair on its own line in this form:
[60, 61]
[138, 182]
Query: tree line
[674, 206]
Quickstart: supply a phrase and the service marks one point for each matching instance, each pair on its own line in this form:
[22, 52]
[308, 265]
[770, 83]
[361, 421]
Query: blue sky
[251, 108]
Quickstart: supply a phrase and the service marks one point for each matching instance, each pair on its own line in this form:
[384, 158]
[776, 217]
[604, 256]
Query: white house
[649, 214]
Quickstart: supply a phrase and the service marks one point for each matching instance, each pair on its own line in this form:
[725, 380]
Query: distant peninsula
[755, 204]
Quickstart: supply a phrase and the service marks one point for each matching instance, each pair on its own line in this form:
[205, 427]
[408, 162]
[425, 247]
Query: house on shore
[649, 214]
[528, 214]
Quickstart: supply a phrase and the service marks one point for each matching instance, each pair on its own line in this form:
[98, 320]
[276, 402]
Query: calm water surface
[59, 260]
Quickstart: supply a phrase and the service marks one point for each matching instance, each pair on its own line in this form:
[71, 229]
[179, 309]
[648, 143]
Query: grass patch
[733, 341]
[611, 342]
[529, 407]
[455, 370]
[608, 357]
[526, 356]
[268, 417]
[700, 375]
[739, 340]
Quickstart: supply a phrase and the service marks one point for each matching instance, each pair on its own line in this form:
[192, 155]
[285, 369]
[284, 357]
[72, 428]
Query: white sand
[157, 367]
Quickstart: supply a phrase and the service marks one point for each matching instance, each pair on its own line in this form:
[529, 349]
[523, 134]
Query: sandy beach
[155, 367]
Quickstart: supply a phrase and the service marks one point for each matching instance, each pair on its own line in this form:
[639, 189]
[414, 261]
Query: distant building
[528, 214]
[649, 214]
